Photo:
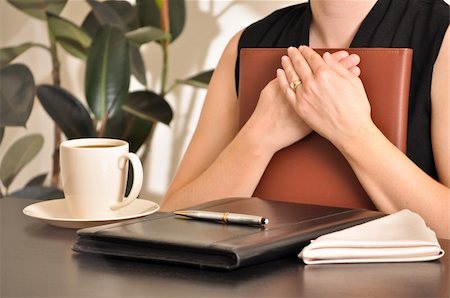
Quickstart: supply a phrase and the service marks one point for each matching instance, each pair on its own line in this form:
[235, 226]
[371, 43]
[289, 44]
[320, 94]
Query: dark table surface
[37, 261]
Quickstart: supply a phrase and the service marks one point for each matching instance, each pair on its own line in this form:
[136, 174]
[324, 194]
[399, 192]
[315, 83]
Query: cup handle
[137, 180]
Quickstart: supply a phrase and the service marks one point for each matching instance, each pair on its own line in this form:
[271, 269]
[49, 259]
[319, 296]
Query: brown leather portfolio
[313, 170]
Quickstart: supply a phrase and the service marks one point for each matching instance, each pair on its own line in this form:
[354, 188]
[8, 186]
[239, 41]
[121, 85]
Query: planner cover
[166, 238]
[313, 170]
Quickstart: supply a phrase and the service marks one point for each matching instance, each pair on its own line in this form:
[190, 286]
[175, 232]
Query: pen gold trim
[224, 217]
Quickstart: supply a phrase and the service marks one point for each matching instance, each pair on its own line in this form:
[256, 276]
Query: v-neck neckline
[366, 27]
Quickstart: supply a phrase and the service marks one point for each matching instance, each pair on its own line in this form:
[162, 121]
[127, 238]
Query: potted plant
[109, 41]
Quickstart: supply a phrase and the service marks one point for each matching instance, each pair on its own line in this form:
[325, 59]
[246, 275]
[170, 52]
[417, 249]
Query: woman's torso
[416, 24]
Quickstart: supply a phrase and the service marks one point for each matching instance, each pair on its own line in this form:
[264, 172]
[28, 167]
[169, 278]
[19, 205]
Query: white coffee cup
[94, 175]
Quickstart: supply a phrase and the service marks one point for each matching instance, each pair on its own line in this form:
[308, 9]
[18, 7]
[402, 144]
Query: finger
[313, 59]
[348, 61]
[290, 73]
[336, 66]
[289, 70]
[285, 86]
[300, 65]
[340, 55]
[355, 70]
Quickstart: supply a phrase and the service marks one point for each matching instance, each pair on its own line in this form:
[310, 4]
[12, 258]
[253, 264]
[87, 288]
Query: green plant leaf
[75, 40]
[128, 15]
[145, 35]
[200, 80]
[137, 64]
[149, 13]
[18, 156]
[106, 15]
[17, 92]
[123, 9]
[148, 106]
[177, 12]
[10, 53]
[37, 181]
[128, 127]
[107, 72]
[38, 8]
[67, 111]
[90, 24]
[126, 11]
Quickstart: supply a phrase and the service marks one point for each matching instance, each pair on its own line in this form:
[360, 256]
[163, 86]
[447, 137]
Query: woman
[225, 162]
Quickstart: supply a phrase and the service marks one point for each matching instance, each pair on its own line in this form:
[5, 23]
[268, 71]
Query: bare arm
[391, 179]
[213, 165]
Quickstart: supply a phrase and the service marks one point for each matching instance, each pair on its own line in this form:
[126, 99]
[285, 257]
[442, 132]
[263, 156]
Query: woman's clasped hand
[285, 115]
[331, 98]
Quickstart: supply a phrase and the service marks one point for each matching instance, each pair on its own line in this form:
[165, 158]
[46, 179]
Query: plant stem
[171, 87]
[164, 71]
[101, 131]
[38, 45]
[165, 26]
[148, 143]
[57, 131]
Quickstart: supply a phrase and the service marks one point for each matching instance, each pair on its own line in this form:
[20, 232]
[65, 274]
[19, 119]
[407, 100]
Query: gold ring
[295, 84]
[225, 217]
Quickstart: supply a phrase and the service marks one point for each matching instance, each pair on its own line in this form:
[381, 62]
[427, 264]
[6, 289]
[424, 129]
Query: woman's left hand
[330, 99]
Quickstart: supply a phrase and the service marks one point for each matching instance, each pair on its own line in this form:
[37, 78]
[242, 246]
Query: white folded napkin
[400, 237]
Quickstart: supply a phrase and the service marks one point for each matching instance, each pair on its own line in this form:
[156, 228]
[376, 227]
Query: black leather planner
[166, 238]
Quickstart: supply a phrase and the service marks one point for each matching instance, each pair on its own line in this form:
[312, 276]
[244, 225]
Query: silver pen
[224, 217]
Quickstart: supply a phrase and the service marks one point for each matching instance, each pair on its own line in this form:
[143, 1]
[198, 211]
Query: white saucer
[56, 213]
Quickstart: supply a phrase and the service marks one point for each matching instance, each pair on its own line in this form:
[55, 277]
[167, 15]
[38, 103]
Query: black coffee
[96, 146]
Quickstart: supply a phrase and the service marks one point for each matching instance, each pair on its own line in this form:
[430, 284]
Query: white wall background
[209, 26]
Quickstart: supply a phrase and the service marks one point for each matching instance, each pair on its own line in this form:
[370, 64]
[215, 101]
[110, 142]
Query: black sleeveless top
[416, 24]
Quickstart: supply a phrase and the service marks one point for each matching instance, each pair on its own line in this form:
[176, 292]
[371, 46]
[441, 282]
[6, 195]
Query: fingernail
[355, 58]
